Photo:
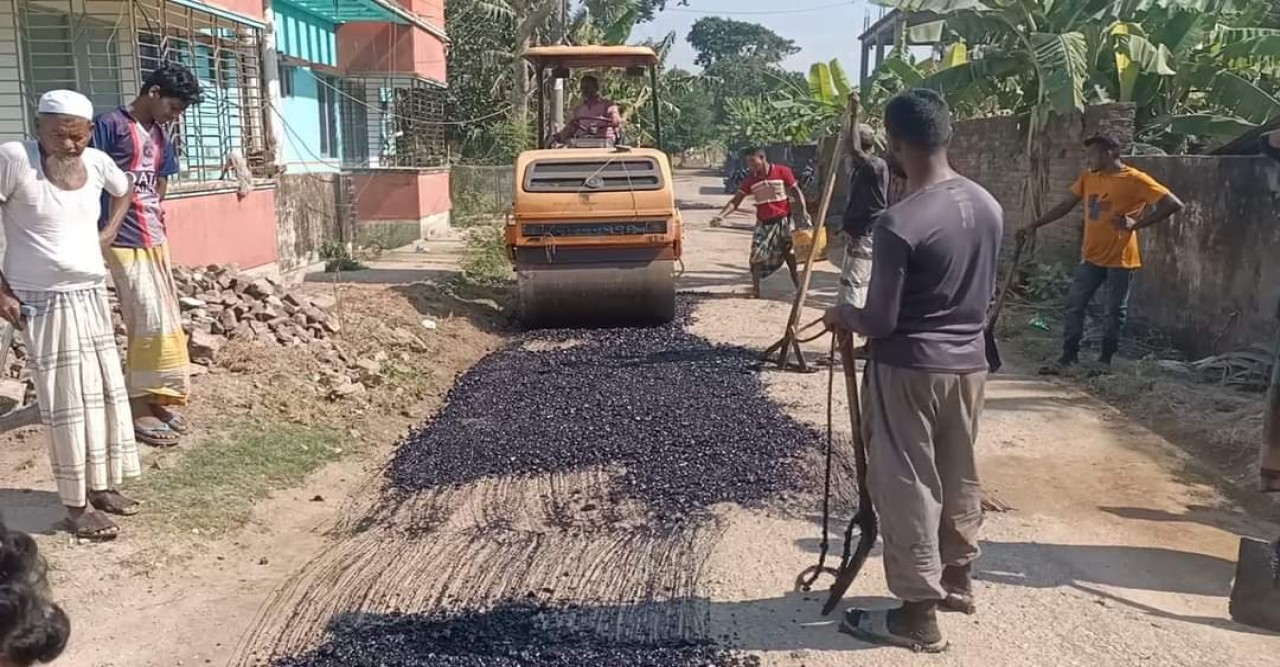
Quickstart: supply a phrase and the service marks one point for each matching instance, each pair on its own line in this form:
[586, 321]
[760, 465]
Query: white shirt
[51, 234]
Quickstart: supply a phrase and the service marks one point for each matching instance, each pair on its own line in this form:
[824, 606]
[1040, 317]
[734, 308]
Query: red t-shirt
[770, 192]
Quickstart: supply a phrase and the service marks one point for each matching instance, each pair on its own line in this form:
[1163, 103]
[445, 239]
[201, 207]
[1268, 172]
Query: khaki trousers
[922, 474]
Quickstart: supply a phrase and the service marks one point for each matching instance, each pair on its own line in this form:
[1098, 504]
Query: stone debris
[218, 304]
[218, 301]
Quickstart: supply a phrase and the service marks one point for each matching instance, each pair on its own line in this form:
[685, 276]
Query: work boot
[1067, 360]
[957, 581]
[1109, 349]
[914, 625]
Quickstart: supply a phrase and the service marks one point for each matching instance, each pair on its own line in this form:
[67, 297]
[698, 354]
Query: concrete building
[336, 108]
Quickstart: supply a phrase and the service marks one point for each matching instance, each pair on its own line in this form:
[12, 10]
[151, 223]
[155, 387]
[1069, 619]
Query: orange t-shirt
[1108, 197]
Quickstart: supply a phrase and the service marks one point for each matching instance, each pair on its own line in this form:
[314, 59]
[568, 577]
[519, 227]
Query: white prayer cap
[67, 103]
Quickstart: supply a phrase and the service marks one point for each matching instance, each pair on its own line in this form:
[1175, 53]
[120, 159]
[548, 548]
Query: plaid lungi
[770, 243]
[157, 362]
[81, 391]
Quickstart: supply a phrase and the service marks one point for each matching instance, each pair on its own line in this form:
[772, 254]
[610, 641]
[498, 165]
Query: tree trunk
[520, 82]
[534, 14]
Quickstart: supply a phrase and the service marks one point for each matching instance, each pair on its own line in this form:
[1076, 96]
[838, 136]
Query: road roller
[594, 233]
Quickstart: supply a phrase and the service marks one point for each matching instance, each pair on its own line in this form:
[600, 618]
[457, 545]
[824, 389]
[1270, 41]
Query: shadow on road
[32, 511]
[1038, 565]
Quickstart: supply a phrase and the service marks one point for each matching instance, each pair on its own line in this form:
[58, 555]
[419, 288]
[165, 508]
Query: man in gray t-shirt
[868, 198]
[931, 285]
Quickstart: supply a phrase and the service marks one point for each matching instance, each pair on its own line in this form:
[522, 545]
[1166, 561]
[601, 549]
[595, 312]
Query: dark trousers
[1088, 278]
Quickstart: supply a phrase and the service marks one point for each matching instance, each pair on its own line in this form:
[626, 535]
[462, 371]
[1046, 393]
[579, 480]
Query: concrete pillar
[271, 72]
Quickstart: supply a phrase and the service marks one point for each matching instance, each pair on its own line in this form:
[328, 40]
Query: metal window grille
[327, 98]
[104, 49]
[392, 122]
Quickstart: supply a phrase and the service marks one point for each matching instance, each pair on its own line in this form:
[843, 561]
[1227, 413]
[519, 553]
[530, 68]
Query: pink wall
[366, 48]
[253, 8]
[401, 195]
[431, 10]
[223, 229]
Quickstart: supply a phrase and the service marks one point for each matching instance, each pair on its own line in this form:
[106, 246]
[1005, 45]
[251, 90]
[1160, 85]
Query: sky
[823, 29]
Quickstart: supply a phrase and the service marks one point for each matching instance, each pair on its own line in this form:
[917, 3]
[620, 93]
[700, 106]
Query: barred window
[392, 122]
[104, 49]
[327, 94]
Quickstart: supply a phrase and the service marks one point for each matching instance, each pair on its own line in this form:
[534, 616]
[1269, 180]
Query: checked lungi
[770, 244]
[81, 391]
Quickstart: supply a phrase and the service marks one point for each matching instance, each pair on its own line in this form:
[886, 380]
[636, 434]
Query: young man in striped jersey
[134, 135]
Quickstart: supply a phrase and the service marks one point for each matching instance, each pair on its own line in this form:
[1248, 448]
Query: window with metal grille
[105, 48]
[327, 98]
[392, 122]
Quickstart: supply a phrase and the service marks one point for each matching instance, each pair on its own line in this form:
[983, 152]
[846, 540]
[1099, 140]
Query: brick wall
[1211, 275]
[992, 151]
[1211, 279]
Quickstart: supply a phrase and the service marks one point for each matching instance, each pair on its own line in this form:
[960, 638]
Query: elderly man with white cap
[53, 287]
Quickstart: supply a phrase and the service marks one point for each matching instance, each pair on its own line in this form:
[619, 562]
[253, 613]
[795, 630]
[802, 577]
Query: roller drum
[597, 294]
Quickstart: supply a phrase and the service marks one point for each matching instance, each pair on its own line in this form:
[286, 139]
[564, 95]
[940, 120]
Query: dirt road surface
[1114, 554]
[1112, 557]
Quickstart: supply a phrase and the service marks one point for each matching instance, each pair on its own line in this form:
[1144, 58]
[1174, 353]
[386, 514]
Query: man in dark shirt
[931, 284]
[868, 197]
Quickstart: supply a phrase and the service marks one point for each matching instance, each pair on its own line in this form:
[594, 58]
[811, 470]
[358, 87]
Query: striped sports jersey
[148, 154]
[770, 192]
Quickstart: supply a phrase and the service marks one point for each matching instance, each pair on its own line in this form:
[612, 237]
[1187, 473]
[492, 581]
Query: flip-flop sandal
[176, 423]
[159, 435]
[93, 526]
[171, 418]
[872, 626]
[114, 502]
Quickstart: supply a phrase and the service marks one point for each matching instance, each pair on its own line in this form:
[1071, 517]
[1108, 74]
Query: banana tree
[813, 110]
[1201, 65]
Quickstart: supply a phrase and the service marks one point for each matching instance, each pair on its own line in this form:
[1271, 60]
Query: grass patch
[213, 487]
[484, 258]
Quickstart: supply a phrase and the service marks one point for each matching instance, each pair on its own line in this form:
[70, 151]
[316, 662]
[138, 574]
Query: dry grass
[1218, 426]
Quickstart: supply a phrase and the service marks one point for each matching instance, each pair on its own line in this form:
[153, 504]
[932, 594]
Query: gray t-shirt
[868, 196]
[932, 279]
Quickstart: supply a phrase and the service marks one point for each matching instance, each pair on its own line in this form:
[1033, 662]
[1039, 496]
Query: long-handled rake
[994, 362]
[864, 520]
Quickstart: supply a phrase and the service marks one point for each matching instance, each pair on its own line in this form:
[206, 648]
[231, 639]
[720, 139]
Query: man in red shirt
[771, 187]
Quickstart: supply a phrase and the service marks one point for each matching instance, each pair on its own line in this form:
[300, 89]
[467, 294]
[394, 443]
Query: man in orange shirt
[1119, 200]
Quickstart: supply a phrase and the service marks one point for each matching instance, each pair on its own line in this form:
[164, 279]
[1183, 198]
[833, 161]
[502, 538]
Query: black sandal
[959, 602]
[93, 526]
[114, 502]
[872, 626]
